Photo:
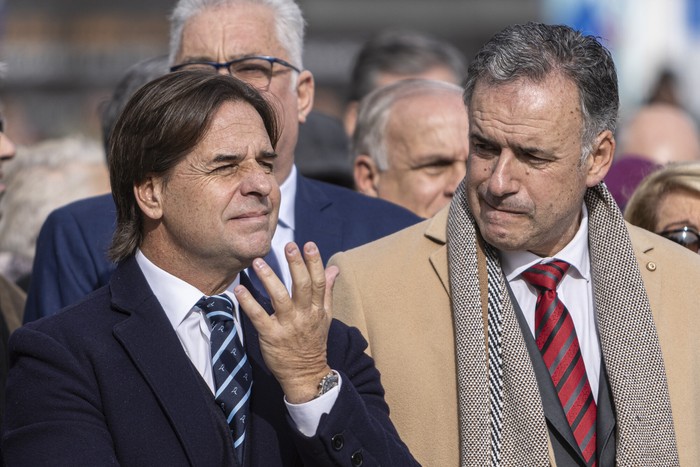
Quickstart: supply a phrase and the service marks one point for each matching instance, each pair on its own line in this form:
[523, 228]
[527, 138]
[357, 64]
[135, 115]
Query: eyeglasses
[256, 70]
[687, 237]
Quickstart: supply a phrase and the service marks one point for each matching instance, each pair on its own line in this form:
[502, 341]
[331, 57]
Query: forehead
[429, 109]
[437, 73]
[549, 107]
[230, 31]
[236, 125]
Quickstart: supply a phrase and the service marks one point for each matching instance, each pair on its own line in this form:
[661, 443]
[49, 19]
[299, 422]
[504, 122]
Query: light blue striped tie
[232, 371]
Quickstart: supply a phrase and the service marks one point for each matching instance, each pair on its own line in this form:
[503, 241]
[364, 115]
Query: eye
[436, 168]
[225, 169]
[483, 149]
[268, 166]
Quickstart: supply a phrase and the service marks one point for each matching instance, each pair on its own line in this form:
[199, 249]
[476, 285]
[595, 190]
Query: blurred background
[64, 56]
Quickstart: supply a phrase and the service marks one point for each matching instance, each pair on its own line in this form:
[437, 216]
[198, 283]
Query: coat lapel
[436, 231]
[149, 339]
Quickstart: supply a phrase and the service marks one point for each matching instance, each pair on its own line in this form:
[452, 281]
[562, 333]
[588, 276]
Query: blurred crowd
[404, 139]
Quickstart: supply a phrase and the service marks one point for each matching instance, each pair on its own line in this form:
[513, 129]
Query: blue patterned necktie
[232, 372]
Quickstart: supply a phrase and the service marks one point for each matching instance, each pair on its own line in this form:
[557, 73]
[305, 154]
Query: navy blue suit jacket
[71, 254]
[107, 382]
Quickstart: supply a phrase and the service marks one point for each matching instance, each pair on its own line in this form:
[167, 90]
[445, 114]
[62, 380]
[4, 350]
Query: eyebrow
[238, 157]
[535, 151]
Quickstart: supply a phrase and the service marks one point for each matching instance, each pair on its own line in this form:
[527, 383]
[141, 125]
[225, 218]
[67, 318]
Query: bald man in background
[656, 135]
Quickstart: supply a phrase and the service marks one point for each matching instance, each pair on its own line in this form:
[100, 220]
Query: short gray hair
[375, 110]
[289, 23]
[534, 51]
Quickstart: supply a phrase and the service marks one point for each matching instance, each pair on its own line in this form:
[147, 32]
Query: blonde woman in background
[667, 202]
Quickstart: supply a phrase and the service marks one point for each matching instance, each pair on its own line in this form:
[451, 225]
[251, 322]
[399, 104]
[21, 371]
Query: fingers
[308, 277]
[331, 274]
[257, 314]
[273, 284]
[314, 264]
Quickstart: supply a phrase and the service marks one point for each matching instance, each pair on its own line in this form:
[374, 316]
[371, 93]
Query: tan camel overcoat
[396, 291]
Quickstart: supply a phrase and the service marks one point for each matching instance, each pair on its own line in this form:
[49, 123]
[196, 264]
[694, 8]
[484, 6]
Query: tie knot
[546, 276]
[217, 307]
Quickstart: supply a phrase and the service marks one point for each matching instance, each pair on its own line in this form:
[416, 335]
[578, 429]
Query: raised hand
[293, 339]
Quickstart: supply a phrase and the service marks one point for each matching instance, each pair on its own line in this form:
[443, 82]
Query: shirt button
[337, 442]
[356, 459]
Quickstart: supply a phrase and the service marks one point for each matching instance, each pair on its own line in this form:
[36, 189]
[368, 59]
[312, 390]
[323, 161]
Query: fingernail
[258, 263]
[311, 249]
[291, 249]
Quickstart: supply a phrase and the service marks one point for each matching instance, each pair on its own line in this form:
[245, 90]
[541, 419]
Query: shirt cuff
[306, 416]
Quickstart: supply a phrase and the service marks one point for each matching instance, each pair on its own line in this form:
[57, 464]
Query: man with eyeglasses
[258, 41]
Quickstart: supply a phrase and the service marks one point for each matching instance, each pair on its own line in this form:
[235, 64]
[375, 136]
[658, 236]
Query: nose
[257, 181]
[502, 180]
[7, 147]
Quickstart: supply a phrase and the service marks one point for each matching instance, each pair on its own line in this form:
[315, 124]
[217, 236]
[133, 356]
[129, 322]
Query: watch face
[327, 383]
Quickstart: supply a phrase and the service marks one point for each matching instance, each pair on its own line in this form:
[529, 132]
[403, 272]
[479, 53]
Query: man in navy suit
[71, 258]
[131, 374]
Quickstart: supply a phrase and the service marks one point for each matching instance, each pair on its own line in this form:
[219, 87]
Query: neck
[210, 278]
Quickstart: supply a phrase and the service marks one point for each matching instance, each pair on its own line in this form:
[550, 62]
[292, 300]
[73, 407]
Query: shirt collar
[575, 253]
[176, 296]
[288, 191]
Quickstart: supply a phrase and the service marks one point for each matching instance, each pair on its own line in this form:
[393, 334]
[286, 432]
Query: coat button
[337, 442]
[356, 459]
[651, 266]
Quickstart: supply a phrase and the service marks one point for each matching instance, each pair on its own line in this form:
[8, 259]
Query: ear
[366, 175]
[305, 94]
[350, 117]
[149, 196]
[601, 158]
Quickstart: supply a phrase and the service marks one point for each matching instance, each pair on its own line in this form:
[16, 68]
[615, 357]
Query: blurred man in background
[411, 145]
[395, 55]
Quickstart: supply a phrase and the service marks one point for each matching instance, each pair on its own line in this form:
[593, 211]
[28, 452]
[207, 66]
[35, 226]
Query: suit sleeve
[357, 431]
[54, 414]
[64, 270]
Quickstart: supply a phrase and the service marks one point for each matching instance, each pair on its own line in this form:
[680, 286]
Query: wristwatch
[327, 383]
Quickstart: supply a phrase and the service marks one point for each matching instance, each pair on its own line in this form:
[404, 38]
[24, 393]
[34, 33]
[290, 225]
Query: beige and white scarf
[500, 410]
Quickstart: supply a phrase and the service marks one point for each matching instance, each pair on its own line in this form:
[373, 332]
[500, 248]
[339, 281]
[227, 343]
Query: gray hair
[534, 51]
[289, 23]
[402, 53]
[375, 110]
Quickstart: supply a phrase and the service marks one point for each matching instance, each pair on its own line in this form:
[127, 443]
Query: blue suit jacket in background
[107, 382]
[71, 254]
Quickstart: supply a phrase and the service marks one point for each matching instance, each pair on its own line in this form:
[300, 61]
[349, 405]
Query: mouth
[501, 208]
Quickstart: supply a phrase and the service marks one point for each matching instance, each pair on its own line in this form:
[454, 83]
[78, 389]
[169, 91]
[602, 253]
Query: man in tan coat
[527, 324]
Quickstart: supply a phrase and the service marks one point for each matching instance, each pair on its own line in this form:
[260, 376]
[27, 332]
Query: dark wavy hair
[160, 125]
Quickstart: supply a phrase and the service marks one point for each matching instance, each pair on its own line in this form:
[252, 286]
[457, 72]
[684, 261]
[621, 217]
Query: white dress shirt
[178, 298]
[285, 225]
[575, 290]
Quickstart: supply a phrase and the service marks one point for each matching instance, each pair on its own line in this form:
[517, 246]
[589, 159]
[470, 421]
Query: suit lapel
[314, 220]
[149, 339]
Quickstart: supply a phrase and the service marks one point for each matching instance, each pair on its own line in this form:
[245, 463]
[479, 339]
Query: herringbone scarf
[500, 411]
